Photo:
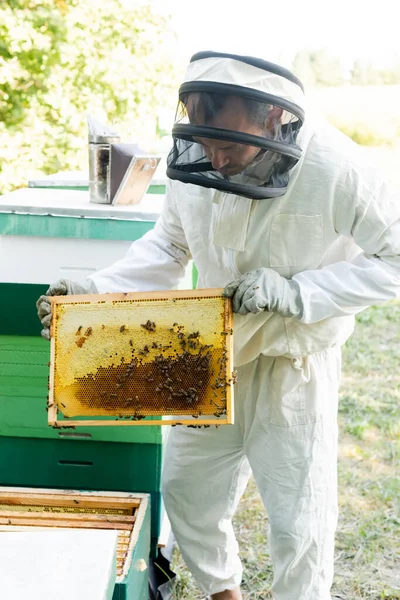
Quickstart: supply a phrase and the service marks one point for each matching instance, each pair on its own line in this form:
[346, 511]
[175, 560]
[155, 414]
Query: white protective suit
[336, 232]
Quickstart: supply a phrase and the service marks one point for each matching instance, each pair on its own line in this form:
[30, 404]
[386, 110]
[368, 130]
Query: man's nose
[219, 159]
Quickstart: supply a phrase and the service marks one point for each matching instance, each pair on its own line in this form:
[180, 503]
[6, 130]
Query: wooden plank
[137, 527]
[123, 422]
[52, 407]
[229, 363]
[63, 523]
[123, 536]
[64, 500]
[138, 296]
[52, 411]
[61, 516]
[125, 496]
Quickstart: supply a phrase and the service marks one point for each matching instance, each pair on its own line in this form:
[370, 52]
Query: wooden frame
[145, 296]
[128, 525]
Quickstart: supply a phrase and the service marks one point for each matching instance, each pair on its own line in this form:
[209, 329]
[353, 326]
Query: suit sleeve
[156, 261]
[368, 212]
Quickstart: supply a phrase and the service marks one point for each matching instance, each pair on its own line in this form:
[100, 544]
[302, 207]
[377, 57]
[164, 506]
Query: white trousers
[285, 432]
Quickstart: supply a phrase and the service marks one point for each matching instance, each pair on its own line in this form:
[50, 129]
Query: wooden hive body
[31, 509]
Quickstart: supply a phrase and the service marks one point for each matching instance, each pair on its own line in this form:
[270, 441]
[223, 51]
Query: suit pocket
[293, 397]
[296, 243]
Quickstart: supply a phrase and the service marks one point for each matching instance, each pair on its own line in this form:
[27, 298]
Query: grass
[367, 561]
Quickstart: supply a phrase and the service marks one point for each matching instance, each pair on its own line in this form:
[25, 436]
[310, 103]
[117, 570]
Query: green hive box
[39, 229]
[76, 464]
[135, 585]
[133, 582]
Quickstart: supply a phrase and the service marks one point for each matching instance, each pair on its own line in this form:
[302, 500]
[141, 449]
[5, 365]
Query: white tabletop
[37, 201]
[62, 564]
[81, 178]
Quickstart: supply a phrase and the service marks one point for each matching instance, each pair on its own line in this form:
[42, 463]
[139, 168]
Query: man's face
[229, 158]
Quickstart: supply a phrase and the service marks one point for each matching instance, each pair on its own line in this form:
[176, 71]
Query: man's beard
[259, 171]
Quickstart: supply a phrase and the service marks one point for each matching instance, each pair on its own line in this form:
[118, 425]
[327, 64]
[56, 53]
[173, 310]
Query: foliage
[30, 38]
[365, 73]
[59, 60]
[319, 68]
[367, 114]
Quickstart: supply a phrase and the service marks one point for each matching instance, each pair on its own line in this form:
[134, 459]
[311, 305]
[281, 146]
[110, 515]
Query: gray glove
[265, 289]
[62, 287]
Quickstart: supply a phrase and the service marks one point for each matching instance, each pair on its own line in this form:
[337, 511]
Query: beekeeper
[283, 213]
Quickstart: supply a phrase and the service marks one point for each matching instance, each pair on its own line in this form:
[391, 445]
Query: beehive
[24, 508]
[134, 356]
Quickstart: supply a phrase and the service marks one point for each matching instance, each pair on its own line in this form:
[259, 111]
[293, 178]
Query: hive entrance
[135, 357]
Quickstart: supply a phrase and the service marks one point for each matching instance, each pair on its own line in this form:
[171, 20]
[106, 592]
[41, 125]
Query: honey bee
[122, 328]
[194, 335]
[149, 325]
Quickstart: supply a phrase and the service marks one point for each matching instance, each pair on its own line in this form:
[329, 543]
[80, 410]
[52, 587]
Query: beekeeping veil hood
[236, 125]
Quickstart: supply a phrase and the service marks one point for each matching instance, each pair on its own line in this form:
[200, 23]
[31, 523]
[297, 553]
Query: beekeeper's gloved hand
[62, 287]
[265, 289]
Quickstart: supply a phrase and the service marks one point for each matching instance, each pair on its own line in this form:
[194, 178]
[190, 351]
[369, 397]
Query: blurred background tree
[320, 68]
[119, 59]
[59, 60]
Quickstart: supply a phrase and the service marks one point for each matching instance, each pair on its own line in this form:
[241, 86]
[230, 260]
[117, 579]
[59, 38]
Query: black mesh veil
[234, 139]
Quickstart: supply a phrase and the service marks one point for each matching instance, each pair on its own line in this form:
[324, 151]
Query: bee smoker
[100, 139]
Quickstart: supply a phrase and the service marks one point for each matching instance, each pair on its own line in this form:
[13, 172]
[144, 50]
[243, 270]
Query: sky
[277, 30]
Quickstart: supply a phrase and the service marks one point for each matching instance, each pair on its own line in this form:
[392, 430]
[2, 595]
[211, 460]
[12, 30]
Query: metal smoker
[119, 173]
[100, 139]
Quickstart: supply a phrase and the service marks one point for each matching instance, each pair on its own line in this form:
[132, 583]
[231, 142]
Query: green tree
[59, 60]
[30, 37]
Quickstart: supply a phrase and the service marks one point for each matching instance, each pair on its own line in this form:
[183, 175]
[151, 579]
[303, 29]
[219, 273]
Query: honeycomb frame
[141, 355]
